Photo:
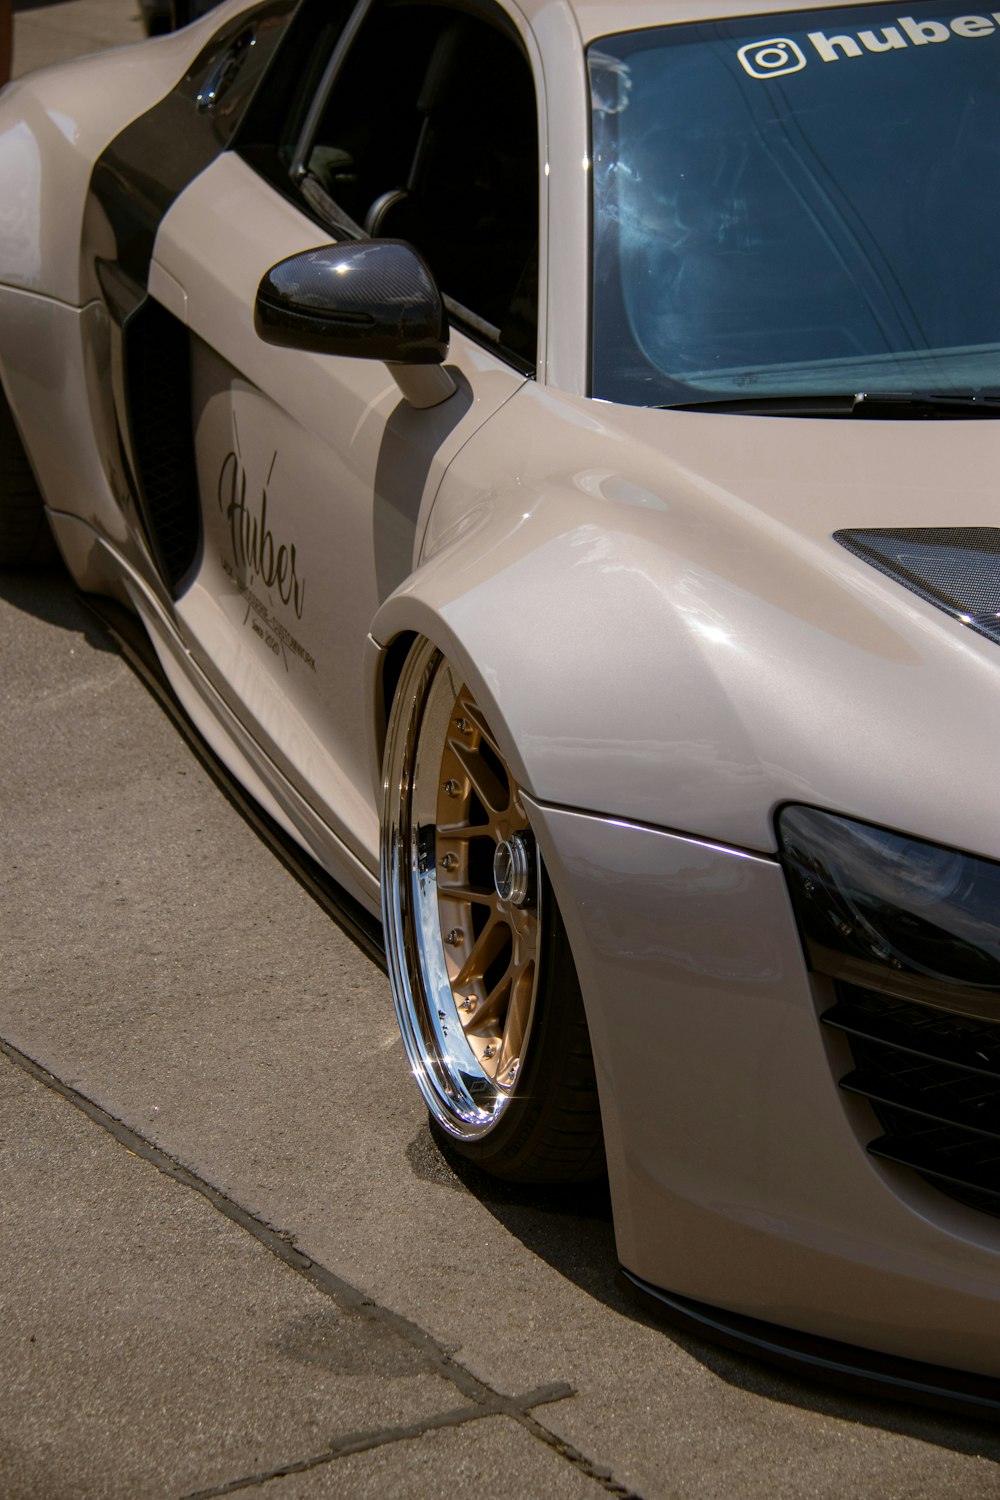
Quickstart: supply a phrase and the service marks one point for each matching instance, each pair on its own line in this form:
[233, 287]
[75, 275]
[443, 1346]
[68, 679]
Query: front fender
[653, 611]
[575, 657]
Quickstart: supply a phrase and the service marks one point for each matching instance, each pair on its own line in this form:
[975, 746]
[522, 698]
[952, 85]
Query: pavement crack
[365, 1441]
[484, 1400]
[598, 1472]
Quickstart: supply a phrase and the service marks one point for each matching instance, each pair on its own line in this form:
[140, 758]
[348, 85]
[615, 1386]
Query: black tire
[552, 1131]
[25, 539]
[482, 975]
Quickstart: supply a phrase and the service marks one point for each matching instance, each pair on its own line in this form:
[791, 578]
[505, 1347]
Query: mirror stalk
[422, 385]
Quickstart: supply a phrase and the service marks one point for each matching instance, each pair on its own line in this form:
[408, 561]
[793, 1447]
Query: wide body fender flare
[599, 693]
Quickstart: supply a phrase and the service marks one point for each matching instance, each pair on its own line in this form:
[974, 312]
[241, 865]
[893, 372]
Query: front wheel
[482, 976]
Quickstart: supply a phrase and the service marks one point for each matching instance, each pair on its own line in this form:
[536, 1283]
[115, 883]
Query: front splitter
[862, 1371]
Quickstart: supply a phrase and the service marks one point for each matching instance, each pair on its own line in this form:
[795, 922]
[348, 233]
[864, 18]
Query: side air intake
[955, 567]
[157, 359]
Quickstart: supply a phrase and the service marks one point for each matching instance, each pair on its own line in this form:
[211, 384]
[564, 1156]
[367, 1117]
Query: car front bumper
[739, 1173]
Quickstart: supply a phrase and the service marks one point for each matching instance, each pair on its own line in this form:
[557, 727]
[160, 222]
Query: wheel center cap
[512, 861]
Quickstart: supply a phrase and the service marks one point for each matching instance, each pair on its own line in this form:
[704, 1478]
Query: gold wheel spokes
[489, 931]
[519, 994]
[461, 892]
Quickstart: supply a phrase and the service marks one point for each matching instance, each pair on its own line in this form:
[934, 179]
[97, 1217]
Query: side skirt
[349, 915]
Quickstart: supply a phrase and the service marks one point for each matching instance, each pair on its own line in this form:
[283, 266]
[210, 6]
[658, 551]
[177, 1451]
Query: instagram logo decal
[771, 59]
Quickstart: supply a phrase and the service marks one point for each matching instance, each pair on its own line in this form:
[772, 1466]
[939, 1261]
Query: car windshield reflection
[797, 205]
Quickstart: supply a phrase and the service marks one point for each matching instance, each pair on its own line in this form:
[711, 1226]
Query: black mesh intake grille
[933, 1080]
[955, 567]
[157, 361]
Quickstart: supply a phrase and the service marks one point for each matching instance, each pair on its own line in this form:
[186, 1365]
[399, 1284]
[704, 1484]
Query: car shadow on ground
[570, 1228]
[49, 594]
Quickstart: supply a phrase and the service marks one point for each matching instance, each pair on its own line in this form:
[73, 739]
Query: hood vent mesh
[955, 567]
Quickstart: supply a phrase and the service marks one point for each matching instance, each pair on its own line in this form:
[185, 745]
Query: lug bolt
[489, 1049]
[454, 937]
[453, 787]
[468, 1004]
[450, 862]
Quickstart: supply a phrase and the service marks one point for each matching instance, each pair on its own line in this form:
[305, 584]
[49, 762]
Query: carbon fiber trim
[882, 1376]
[956, 568]
[148, 165]
[134, 182]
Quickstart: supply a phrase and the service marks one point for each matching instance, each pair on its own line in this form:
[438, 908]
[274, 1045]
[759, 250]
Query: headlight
[893, 913]
[909, 933]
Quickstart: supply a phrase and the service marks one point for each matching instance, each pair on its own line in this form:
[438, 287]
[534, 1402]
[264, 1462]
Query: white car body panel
[596, 18]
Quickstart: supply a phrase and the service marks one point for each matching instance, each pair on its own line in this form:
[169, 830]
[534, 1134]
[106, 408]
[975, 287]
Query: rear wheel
[482, 976]
[25, 539]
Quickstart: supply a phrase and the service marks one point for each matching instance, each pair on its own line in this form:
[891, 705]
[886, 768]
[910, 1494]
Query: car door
[314, 471]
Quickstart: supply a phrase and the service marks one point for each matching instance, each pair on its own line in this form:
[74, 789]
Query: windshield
[797, 205]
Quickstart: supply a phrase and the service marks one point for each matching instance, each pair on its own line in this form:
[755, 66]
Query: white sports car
[551, 447]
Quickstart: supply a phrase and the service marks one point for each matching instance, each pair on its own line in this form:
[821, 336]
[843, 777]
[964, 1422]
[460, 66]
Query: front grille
[158, 386]
[933, 1079]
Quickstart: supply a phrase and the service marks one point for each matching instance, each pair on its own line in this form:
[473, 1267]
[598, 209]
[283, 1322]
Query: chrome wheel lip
[462, 1096]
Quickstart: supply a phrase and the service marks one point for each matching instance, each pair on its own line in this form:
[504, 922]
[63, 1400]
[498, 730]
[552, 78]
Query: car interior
[430, 136]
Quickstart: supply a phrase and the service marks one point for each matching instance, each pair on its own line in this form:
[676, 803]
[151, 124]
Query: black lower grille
[933, 1079]
[158, 384]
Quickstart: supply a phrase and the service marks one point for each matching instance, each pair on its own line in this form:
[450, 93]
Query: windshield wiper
[880, 404]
